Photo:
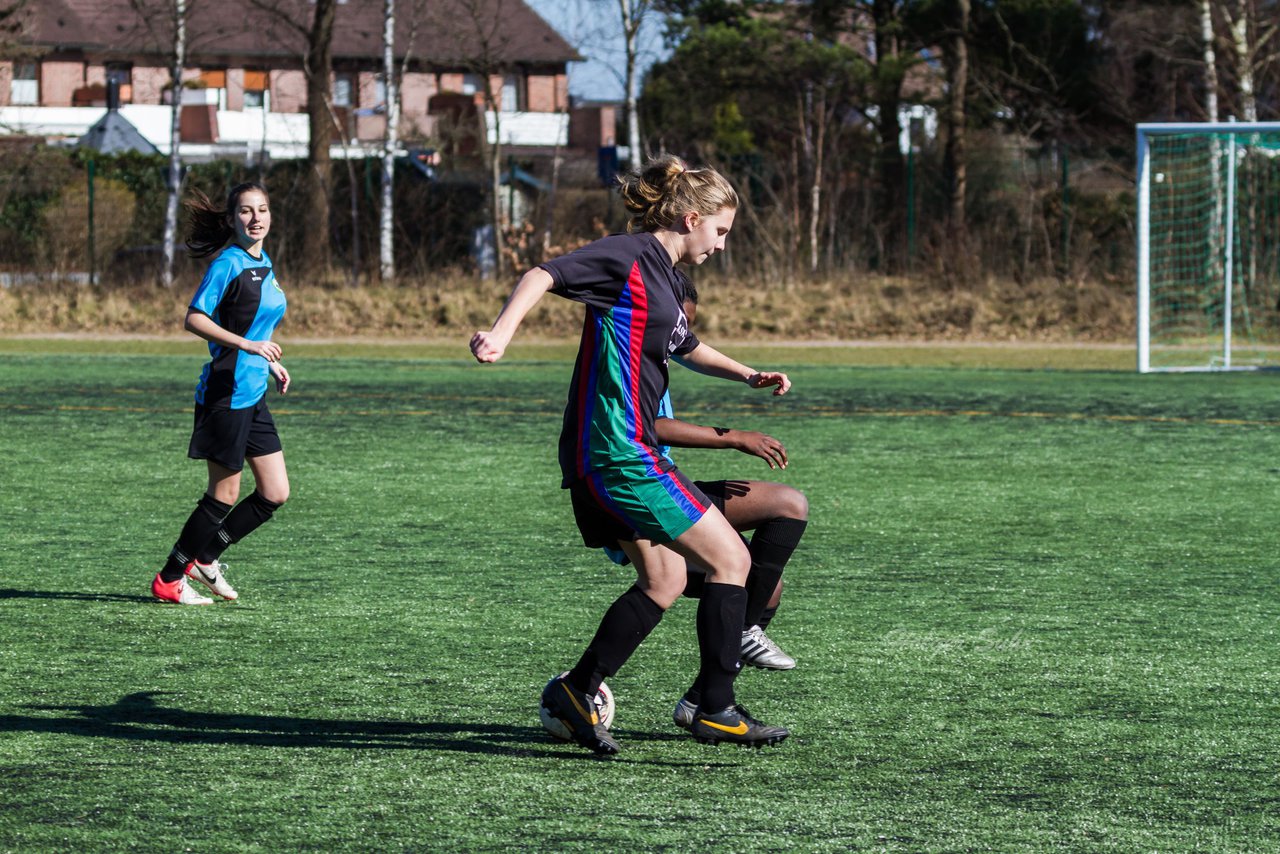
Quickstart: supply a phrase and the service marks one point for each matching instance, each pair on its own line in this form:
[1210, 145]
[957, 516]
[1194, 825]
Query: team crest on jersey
[678, 334]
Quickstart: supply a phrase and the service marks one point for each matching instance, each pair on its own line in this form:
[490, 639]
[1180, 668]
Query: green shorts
[635, 502]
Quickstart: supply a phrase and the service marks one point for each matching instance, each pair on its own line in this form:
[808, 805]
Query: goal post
[1208, 246]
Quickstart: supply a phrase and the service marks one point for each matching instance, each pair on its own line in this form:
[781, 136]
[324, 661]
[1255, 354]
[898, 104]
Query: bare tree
[1214, 262]
[386, 240]
[893, 59]
[633, 14]
[175, 140]
[12, 24]
[487, 55]
[315, 28]
[1253, 36]
[956, 54]
[318, 64]
[1210, 61]
[153, 16]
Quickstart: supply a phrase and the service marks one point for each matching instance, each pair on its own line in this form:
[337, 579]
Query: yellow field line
[696, 414]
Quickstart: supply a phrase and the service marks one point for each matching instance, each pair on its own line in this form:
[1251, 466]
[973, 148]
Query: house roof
[448, 33]
[114, 134]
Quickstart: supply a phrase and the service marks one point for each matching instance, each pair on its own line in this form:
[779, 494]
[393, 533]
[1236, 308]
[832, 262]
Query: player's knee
[664, 588]
[664, 595]
[227, 493]
[793, 504]
[733, 568]
[277, 494]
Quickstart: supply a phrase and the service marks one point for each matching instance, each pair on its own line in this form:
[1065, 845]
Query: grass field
[1036, 610]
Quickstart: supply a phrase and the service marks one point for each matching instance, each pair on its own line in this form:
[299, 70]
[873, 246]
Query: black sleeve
[596, 274]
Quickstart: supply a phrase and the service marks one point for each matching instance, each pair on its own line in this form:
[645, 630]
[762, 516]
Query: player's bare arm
[281, 375]
[490, 346]
[683, 434]
[706, 359]
[201, 324]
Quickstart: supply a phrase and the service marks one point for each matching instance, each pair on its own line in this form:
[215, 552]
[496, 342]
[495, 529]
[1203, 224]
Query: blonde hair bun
[666, 189]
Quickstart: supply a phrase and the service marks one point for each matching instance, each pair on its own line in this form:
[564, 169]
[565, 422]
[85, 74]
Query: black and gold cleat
[734, 725]
[578, 713]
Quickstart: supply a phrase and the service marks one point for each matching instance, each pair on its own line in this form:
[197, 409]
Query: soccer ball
[604, 709]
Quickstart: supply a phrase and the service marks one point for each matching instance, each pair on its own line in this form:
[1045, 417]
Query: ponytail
[666, 189]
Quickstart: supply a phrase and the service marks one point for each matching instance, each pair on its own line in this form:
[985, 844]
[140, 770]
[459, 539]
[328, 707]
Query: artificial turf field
[1035, 610]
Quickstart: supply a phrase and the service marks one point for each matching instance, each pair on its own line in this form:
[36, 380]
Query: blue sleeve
[213, 287]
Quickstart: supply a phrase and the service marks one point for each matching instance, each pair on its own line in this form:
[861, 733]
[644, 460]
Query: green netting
[1189, 227]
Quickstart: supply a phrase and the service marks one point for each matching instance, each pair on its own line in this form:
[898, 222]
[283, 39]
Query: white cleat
[178, 592]
[211, 576]
[683, 715]
[759, 651]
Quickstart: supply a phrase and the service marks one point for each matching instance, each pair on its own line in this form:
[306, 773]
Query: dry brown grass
[863, 307]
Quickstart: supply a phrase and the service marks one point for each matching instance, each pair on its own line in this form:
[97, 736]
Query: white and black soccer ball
[604, 709]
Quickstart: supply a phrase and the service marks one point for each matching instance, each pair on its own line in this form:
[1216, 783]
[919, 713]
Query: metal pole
[1144, 253]
[93, 255]
[1230, 251]
[1066, 212]
[911, 204]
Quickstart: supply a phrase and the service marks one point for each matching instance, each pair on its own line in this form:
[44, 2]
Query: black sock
[249, 514]
[771, 548]
[765, 618]
[694, 582]
[203, 522]
[626, 624]
[719, 643]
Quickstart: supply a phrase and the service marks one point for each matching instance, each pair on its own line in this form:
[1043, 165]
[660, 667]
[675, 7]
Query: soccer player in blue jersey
[777, 516]
[622, 491]
[236, 309]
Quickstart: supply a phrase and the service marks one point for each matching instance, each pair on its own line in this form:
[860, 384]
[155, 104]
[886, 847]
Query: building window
[121, 74]
[214, 81]
[25, 86]
[255, 89]
[344, 90]
[472, 83]
[512, 93]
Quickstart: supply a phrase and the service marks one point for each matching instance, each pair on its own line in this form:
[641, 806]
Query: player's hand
[764, 379]
[268, 350]
[282, 377]
[488, 346]
[761, 445]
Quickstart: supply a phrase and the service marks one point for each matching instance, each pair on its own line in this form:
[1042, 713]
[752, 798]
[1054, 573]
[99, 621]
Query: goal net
[1208, 246]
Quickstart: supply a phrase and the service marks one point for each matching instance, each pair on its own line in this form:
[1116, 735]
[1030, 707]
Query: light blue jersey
[240, 293]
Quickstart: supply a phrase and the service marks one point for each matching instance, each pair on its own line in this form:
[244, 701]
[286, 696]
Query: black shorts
[227, 436]
[715, 490]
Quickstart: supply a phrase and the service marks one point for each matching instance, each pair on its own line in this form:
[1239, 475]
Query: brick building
[244, 87]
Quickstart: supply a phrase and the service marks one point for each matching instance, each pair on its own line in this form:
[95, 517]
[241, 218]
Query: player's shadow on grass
[142, 717]
[75, 595]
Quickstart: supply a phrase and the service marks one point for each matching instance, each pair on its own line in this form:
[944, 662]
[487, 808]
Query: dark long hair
[208, 227]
